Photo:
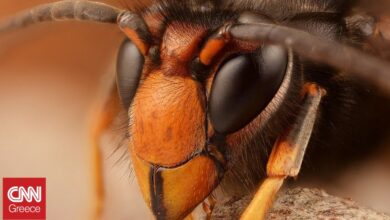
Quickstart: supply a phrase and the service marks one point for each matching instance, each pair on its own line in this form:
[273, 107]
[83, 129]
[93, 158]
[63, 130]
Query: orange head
[182, 136]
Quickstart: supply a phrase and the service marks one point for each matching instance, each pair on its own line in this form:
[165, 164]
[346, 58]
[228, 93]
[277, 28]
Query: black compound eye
[244, 85]
[129, 69]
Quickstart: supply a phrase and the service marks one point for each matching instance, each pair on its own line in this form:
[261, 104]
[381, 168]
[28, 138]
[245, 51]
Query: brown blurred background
[51, 76]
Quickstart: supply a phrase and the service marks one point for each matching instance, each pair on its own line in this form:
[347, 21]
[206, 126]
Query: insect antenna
[332, 53]
[63, 10]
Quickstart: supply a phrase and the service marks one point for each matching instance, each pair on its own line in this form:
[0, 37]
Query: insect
[210, 86]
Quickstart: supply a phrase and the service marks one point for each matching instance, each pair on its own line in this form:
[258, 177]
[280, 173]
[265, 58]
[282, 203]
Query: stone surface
[302, 203]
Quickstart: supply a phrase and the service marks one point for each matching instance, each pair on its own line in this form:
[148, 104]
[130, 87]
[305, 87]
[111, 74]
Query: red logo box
[24, 198]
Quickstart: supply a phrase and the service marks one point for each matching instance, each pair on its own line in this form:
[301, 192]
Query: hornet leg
[287, 154]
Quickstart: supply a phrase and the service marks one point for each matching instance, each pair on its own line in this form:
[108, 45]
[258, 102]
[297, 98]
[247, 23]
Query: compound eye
[129, 69]
[244, 85]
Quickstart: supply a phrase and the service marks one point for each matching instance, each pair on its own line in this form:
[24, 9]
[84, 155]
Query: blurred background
[51, 78]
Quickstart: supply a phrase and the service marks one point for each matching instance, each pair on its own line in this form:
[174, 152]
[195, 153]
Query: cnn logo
[25, 195]
[24, 198]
